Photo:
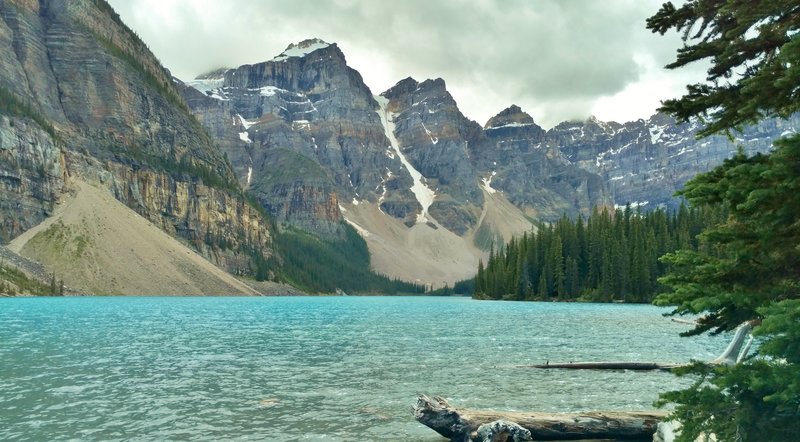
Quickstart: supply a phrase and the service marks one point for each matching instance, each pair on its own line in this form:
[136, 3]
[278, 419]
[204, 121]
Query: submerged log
[642, 366]
[462, 425]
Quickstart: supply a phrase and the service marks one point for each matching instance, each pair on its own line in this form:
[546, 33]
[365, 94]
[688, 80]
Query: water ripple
[332, 369]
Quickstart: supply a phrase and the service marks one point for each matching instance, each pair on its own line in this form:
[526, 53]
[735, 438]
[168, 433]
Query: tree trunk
[642, 366]
[462, 425]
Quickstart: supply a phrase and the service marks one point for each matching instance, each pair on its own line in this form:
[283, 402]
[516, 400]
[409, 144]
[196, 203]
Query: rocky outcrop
[516, 157]
[644, 162]
[307, 138]
[32, 175]
[433, 136]
[97, 103]
[302, 124]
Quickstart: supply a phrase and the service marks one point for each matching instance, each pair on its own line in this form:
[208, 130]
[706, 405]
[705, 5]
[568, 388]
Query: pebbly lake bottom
[313, 368]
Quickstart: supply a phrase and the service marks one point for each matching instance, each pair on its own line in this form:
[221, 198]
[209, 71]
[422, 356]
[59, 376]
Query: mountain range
[422, 182]
[228, 160]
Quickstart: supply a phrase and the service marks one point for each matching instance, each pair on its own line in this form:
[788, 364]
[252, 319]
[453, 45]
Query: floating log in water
[462, 425]
[643, 366]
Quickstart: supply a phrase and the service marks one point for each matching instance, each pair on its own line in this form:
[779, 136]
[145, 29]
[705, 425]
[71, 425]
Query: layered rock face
[97, 103]
[644, 162]
[517, 157]
[303, 133]
[434, 136]
[309, 140]
[32, 175]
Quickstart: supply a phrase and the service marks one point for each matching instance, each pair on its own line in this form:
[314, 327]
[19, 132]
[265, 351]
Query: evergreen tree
[602, 258]
[747, 267]
[753, 41]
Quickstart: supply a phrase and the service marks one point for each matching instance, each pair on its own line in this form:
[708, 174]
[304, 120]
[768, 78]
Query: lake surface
[308, 368]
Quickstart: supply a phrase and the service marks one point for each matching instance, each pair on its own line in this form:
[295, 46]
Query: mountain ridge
[298, 112]
[302, 138]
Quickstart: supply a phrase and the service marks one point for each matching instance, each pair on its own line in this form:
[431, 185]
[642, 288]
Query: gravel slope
[99, 245]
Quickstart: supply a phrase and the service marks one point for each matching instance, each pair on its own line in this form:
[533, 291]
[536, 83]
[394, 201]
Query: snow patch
[268, 91]
[244, 136]
[512, 125]
[422, 192]
[487, 184]
[245, 123]
[301, 124]
[434, 140]
[634, 204]
[684, 150]
[301, 49]
[656, 133]
[207, 85]
[601, 157]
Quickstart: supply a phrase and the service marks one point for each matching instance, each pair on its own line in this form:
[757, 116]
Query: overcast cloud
[557, 59]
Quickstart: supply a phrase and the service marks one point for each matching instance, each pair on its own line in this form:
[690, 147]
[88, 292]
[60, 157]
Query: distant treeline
[611, 256]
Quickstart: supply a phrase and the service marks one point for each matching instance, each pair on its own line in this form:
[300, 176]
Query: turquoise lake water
[309, 368]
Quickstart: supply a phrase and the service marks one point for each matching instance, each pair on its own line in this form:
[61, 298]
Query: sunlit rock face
[100, 107]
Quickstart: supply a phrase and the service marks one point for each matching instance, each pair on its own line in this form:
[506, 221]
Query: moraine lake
[313, 368]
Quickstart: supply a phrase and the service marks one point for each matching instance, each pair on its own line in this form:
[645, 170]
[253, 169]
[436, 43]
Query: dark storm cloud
[555, 58]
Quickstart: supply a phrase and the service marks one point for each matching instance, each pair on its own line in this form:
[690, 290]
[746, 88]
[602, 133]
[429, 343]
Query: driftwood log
[639, 366]
[735, 352]
[463, 425]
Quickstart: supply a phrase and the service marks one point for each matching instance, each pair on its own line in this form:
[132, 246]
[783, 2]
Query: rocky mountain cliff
[303, 134]
[307, 109]
[644, 162]
[313, 144]
[83, 96]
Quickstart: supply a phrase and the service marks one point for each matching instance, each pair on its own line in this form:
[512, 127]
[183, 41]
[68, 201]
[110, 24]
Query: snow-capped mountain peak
[301, 49]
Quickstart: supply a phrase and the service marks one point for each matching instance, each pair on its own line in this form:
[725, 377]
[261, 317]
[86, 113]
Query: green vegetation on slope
[183, 168]
[322, 266]
[14, 282]
[610, 256]
[10, 104]
[165, 89]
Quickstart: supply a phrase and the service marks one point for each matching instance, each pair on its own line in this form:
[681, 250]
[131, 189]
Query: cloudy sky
[557, 59]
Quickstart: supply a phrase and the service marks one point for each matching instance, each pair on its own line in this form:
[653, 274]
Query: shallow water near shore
[313, 368]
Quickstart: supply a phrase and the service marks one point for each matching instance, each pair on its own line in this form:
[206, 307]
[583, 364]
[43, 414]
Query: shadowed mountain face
[313, 144]
[83, 96]
[311, 114]
[645, 162]
[336, 144]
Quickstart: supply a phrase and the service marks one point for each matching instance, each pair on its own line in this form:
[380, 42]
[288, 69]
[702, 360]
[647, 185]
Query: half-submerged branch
[462, 425]
[735, 352]
[639, 366]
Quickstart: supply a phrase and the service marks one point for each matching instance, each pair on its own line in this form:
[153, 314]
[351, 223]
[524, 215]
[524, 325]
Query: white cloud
[556, 59]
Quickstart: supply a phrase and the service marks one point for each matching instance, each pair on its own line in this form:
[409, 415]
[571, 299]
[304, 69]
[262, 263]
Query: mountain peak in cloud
[301, 49]
[510, 116]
